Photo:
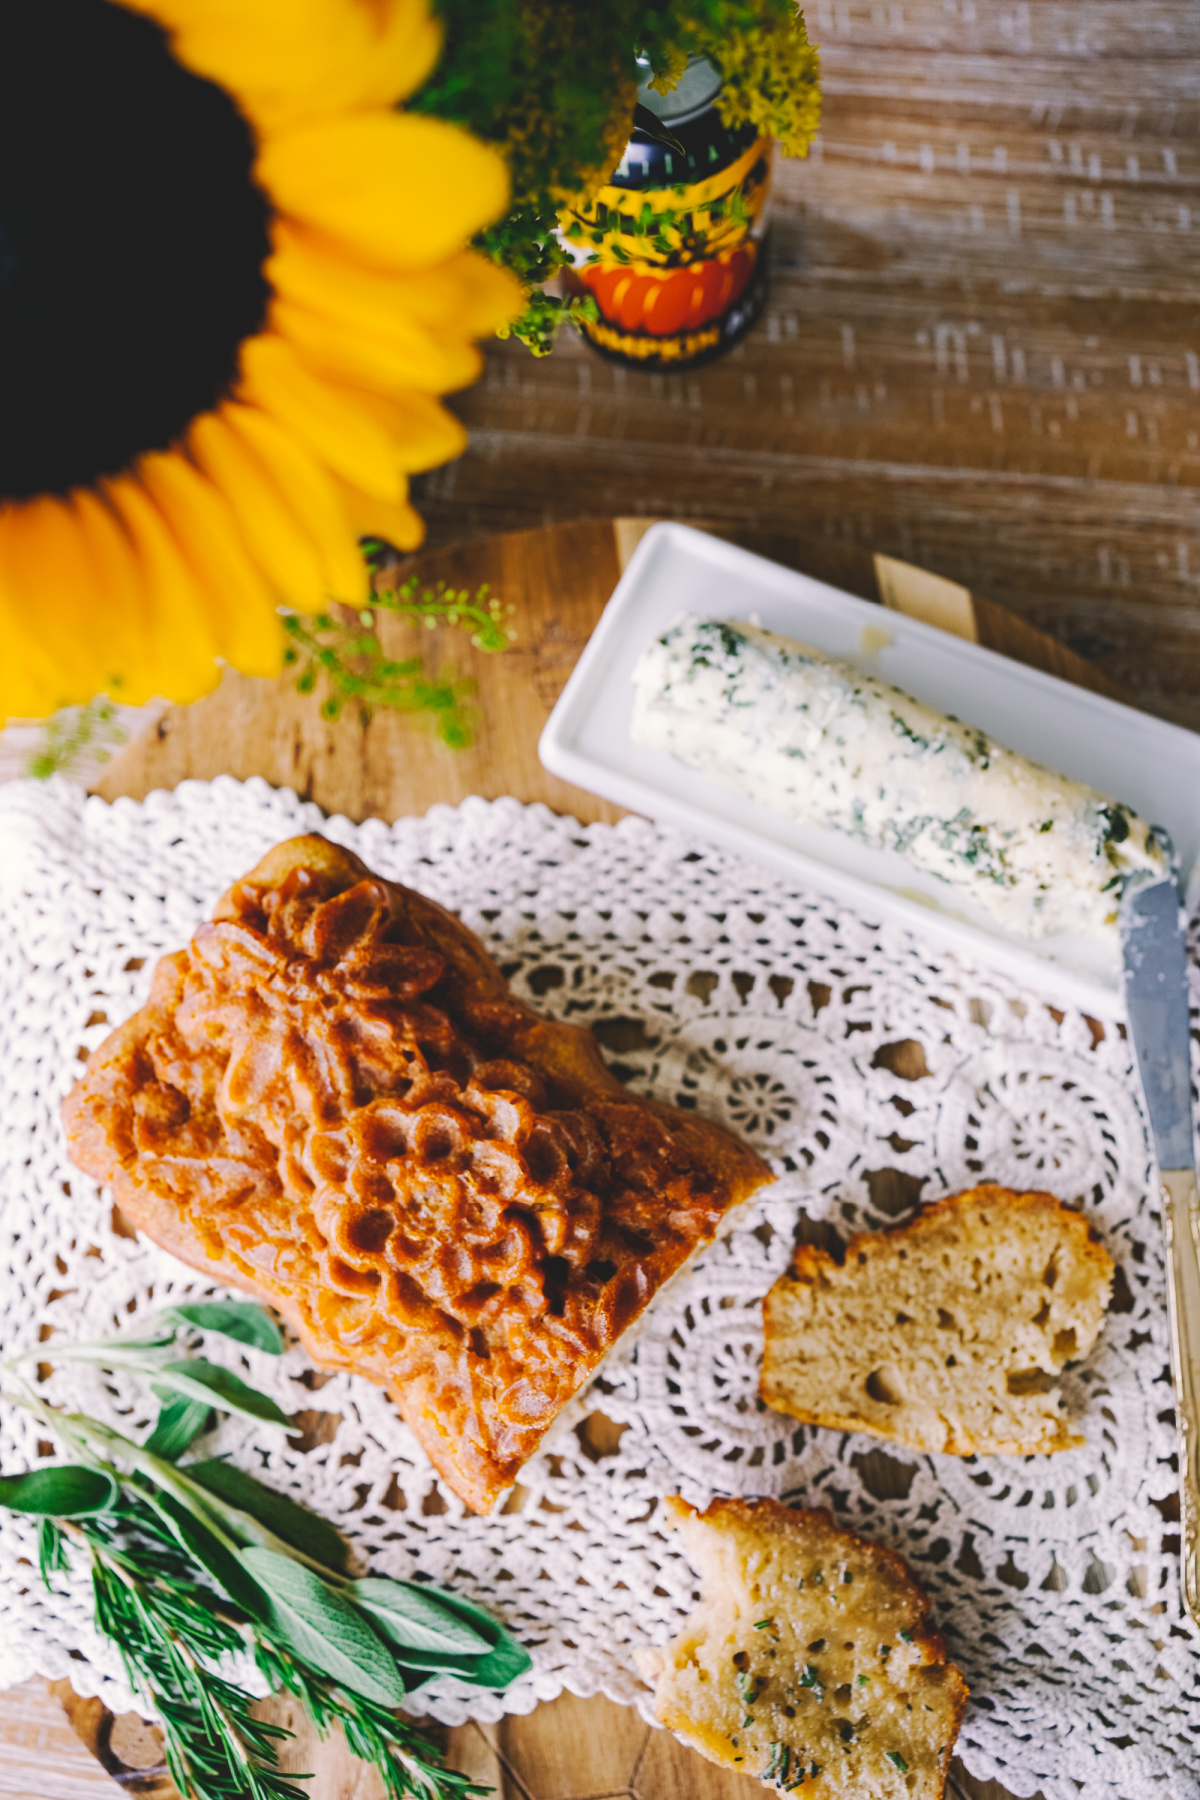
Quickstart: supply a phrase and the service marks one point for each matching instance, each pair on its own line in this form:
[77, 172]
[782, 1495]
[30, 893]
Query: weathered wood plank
[979, 351]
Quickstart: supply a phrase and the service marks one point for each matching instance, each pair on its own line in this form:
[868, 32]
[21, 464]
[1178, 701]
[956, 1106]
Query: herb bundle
[195, 1565]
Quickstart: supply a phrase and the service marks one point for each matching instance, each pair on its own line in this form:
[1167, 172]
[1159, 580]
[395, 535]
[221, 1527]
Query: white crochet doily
[714, 985]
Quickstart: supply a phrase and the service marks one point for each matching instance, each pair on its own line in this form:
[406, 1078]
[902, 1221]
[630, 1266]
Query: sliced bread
[808, 1663]
[947, 1333]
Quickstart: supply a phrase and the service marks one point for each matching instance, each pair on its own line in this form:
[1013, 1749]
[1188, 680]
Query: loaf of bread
[809, 1662]
[948, 1333]
[332, 1099]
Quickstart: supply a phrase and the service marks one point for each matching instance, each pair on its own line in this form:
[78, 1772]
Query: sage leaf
[206, 1548]
[179, 1422]
[413, 1618]
[68, 1491]
[318, 1625]
[157, 1334]
[425, 1665]
[502, 1665]
[196, 1379]
[503, 1662]
[237, 1319]
[293, 1523]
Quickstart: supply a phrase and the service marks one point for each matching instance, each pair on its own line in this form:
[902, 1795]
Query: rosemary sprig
[194, 1563]
[340, 651]
[171, 1631]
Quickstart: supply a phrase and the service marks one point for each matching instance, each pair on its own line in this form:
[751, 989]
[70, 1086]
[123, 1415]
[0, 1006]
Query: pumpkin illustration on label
[672, 250]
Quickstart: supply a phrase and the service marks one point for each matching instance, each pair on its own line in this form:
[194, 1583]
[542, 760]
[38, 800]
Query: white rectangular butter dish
[1151, 765]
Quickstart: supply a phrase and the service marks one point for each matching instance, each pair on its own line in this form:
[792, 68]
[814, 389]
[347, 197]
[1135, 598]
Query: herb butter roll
[817, 740]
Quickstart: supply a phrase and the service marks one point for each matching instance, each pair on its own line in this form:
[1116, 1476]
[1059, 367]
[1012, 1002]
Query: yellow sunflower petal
[336, 423]
[271, 530]
[316, 495]
[402, 51]
[395, 190]
[27, 690]
[33, 678]
[426, 434]
[465, 293]
[399, 523]
[42, 555]
[294, 59]
[410, 357]
[119, 587]
[30, 686]
[464, 296]
[183, 636]
[368, 440]
[247, 625]
[112, 555]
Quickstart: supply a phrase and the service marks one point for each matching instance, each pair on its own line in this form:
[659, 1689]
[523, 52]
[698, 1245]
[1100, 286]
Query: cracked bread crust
[332, 1100]
[809, 1662]
[948, 1333]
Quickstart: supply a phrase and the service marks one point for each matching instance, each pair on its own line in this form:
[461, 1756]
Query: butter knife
[1156, 998]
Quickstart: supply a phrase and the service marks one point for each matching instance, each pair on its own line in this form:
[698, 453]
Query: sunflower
[232, 286]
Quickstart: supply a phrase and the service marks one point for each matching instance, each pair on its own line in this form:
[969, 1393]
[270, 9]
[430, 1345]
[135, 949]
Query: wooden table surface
[981, 345]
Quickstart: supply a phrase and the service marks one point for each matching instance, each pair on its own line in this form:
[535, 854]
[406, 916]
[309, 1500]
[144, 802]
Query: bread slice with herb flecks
[809, 1662]
[947, 1333]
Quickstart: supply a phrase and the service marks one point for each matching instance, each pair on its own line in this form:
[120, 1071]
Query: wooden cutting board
[557, 581]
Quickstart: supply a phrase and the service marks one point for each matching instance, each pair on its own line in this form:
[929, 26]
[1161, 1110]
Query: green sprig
[340, 654]
[191, 1563]
[72, 736]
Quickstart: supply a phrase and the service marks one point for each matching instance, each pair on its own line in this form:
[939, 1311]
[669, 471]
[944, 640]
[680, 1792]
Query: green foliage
[293, 1524]
[208, 1383]
[770, 71]
[179, 1423]
[550, 81]
[544, 317]
[340, 654]
[172, 1631]
[210, 1549]
[73, 735]
[324, 1629]
[192, 1564]
[52, 1551]
[414, 1620]
[554, 82]
[67, 1491]
[237, 1319]
[503, 1661]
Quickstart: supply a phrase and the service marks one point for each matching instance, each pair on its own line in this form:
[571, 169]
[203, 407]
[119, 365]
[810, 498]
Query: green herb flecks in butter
[821, 742]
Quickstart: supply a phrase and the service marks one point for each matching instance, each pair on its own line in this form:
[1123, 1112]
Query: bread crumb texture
[947, 1333]
[809, 1663]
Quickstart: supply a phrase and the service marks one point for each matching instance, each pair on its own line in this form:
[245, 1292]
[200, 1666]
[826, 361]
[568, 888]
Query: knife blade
[1154, 949]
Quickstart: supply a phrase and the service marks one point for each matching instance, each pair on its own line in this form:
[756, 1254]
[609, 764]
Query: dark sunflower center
[132, 239]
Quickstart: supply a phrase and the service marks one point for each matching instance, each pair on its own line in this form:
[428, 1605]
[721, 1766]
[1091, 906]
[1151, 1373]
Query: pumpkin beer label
[675, 267]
